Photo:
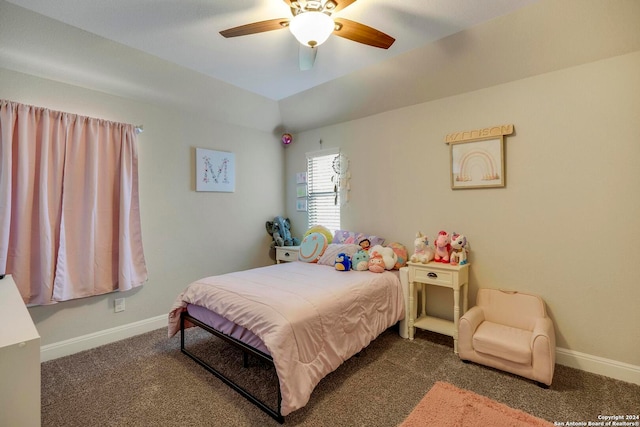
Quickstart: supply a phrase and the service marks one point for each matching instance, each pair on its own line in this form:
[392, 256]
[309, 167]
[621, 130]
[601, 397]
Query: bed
[305, 318]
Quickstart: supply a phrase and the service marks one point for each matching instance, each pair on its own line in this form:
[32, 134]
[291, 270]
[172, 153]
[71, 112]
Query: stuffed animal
[343, 262]
[422, 251]
[360, 260]
[376, 263]
[388, 255]
[459, 249]
[279, 230]
[443, 247]
[365, 244]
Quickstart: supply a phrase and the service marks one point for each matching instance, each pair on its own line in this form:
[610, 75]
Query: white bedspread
[311, 317]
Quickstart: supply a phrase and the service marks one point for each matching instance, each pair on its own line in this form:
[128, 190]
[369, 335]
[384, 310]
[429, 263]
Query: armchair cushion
[503, 341]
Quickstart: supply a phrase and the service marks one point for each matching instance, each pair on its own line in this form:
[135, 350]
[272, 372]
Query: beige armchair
[510, 331]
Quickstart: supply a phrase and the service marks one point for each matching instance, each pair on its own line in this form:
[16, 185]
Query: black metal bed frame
[246, 350]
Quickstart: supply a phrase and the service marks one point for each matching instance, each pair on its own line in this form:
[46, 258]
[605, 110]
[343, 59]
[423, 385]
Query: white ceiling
[186, 32]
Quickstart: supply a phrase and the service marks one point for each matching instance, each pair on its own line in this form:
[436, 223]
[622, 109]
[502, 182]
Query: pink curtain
[69, 205]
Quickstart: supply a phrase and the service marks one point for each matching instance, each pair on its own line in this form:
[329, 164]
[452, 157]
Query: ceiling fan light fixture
[311, 28]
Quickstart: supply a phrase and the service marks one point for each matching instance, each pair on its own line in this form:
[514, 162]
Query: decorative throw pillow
[312, 247]
[401, 252]
[320, 229]
[332, 251]
[344, 236]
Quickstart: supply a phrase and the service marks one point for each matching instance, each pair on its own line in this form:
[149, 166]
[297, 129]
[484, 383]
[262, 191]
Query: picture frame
[477, 163]
[301, 190]
[215, 171]
[301, 178]
[301, 205]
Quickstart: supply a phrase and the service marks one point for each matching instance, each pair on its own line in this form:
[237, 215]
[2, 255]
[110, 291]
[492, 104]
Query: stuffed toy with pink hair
[443, 247]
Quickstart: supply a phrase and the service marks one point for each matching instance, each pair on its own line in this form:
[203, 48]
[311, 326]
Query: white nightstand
[455, 277]
[286, 253]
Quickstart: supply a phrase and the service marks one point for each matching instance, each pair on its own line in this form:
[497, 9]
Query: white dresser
[19, 360]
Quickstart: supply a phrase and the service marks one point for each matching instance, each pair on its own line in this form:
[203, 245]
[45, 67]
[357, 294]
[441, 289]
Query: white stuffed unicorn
[422, 251]
[459, 249]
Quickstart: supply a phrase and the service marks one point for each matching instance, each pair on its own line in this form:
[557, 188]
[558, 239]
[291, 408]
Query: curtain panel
[69, 204]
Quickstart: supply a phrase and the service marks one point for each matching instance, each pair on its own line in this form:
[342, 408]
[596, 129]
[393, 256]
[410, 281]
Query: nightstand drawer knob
[433, 275]
[286, 254]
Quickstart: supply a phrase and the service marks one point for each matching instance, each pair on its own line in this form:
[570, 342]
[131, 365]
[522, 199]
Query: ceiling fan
[312, 24]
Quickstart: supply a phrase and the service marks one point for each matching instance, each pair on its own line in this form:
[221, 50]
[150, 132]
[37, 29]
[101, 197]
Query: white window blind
[323, 205]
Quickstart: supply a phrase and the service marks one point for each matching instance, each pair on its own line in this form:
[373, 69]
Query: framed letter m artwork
[215, 171]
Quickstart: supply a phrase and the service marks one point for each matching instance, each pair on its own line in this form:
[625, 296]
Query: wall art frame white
[477, 157]
[215, 171]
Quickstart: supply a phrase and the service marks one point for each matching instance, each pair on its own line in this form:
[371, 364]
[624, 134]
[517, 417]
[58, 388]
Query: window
[323, 206]
[71, 218]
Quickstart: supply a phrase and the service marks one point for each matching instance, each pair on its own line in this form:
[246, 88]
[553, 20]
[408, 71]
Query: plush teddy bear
[459, 249]
[422, 251]
[376, 263]
[443, 247]
[280, 230]
[343, 262]
[360, 260]
[388, 255]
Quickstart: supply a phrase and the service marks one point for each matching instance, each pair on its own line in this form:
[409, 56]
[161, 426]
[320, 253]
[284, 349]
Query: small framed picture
[301, 190]
[301, 205]
[301, 178]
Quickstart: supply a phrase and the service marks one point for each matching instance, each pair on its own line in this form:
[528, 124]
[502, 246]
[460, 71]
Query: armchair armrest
[467, 326]
[543, 349]
[473, 318]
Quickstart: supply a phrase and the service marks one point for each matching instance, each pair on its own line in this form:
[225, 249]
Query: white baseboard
[598, 365]
[96, 339]
[573, 359]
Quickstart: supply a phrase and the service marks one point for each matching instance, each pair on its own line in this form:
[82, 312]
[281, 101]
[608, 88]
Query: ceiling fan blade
[256, 27]
[362, 33]
[307, 57]
[341, 4]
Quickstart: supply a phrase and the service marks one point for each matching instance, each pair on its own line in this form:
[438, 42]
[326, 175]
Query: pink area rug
[448, 406]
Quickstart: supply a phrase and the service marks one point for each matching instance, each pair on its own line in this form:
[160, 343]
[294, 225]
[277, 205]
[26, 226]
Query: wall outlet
[119, 305]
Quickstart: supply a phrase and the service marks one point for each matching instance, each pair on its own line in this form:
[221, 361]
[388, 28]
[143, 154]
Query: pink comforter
[311, 317]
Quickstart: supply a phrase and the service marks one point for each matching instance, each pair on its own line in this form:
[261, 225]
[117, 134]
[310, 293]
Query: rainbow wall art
[477, 164]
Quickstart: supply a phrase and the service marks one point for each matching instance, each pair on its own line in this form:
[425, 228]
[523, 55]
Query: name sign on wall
[477, 157]
[469, 135]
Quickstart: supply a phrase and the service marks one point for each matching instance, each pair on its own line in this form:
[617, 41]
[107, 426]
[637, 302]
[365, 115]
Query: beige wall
[186, 234]
[566, 226]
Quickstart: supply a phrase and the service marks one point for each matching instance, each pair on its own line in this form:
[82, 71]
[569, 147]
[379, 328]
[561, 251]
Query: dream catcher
[341, 178]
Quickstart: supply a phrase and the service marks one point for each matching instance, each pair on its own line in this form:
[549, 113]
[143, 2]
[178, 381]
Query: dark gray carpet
[147, 381]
